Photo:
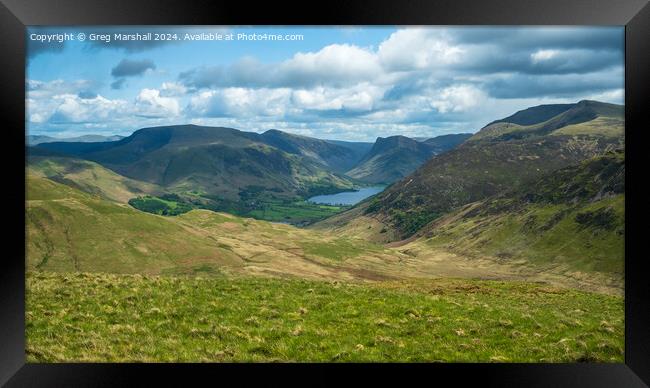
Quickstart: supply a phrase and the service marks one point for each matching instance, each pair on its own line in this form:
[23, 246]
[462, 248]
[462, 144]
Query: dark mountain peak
[592, 103]
[541, 113]
[536, 114]
[191, 135]
[185, 129]
[274, 132]
[602, 108]
[395, 138]
[278, 134]
[444, 143]
[382, 143]
[544, 119]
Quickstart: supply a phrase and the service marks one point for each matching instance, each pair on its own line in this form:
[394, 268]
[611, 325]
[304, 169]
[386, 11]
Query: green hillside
[573, 217]
[90, 177]
[69, 230]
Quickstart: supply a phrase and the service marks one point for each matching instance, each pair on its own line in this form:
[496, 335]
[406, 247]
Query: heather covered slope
[572, 218]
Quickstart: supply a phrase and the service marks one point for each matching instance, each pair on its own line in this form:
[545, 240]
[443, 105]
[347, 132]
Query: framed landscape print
[412, 188]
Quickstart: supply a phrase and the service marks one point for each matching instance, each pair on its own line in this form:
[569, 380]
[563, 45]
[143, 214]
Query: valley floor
[86, 317]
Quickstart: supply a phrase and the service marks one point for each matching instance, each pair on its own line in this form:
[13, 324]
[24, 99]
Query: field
[294, 211]
[124, 318]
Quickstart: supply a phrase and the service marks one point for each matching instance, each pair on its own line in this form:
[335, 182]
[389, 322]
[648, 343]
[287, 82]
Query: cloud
[527, 38]
[130, 68]
[172, 89]
[543, 55]
[87, 95]
[417, 81]
[46, 90]
[458, 98]
[554, 85]
[411, 49]
[333, 65]
[362, 97]
[73, 109]
[118, 83]
[149, 103]
[241, 102]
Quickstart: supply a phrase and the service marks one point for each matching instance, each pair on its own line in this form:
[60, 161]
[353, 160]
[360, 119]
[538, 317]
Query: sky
[343, 83]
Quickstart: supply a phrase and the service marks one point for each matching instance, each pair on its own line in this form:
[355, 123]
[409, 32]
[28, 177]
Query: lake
[348, 197]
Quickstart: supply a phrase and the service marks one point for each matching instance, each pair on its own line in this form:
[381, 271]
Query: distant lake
[348, 197]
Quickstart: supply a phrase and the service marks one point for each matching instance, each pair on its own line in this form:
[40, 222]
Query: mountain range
[40, 139]
[231, 164]
[504, 154]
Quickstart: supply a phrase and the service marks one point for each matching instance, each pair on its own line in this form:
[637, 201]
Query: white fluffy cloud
[73, 109]
[458, 98]
[240, 102]
[76, 109]
[149, 103]
[416, 48]
[44, 90]
[337, 64]
[416, 80]
[172, 89]
[360, 98]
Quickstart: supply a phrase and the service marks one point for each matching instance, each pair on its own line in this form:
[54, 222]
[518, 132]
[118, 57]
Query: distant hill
[221, 162]
[359, 148]
[584, 117]
[337, 156]
[444, 143]
[39, 139]
[394, 157]
[490, 162]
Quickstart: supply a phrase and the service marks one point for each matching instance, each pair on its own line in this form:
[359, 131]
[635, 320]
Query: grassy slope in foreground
[121, 318]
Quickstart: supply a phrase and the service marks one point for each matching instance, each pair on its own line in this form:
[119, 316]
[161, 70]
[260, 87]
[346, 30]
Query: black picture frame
[16, 14]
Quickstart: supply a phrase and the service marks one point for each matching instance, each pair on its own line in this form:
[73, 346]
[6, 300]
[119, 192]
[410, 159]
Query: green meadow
[84, 317]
